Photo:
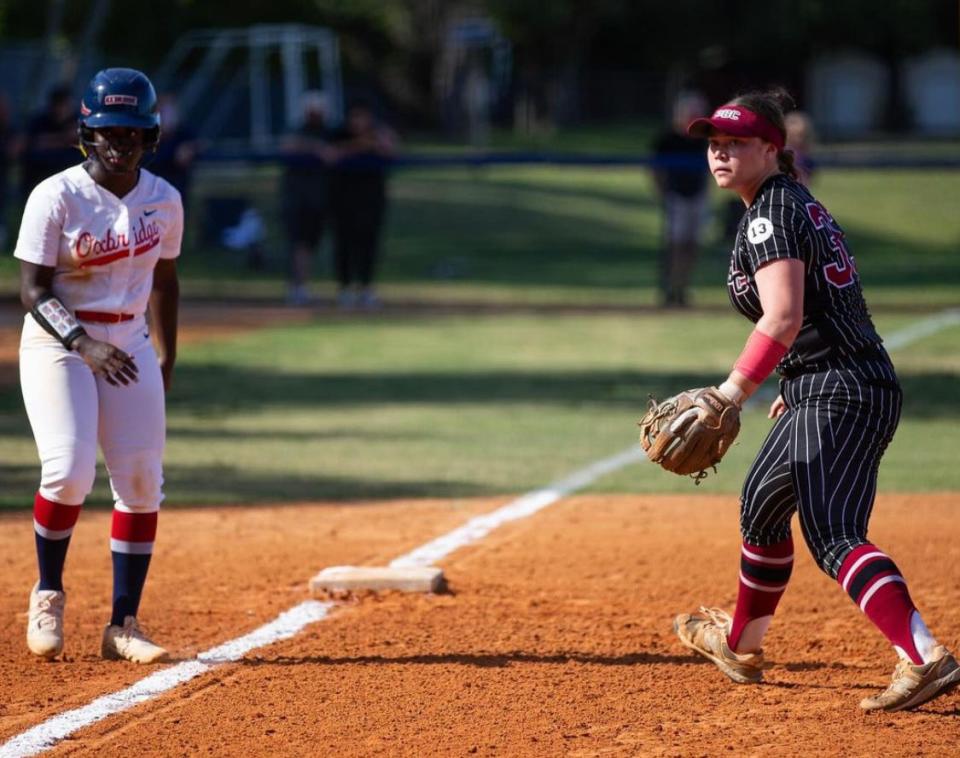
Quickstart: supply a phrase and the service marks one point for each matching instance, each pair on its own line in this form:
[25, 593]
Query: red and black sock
[876, 585]
[764, 573]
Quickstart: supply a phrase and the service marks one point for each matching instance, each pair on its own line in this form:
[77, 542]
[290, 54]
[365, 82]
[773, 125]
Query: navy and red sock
[53, 525]
[131, 545]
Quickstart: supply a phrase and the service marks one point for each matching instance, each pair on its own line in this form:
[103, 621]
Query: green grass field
[589, 235]
[578, 235]
[493, 402]
[457, 406]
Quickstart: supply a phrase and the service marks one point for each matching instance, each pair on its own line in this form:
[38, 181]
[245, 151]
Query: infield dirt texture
[555, 637]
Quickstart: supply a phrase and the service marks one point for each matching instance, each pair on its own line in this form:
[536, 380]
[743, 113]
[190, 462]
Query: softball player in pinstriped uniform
[97, 247]
[839, 405]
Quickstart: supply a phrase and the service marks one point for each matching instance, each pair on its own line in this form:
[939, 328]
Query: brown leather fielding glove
[690, 432]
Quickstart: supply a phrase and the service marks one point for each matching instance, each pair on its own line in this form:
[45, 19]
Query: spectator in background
[680, 173]
[306, 191]
[364, 150]
[178, 149]
[800, 139]
[9, 147]
[51, 140]
[477, 99]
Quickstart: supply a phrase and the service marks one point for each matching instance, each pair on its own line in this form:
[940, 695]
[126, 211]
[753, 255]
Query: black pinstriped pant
[820, 459]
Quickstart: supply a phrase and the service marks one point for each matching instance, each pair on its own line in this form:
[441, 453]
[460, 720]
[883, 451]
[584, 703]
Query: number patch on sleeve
[760, 230]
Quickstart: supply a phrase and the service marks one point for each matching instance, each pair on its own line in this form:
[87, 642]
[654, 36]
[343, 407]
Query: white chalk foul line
[287, 624]
[924, 328]
[479, 527]
[44, 736]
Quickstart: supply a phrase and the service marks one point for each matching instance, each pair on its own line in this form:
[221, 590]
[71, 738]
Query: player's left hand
[690, 432]
[109, 361]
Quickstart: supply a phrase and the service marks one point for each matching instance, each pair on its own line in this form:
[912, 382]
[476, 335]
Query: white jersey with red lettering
[103, 248]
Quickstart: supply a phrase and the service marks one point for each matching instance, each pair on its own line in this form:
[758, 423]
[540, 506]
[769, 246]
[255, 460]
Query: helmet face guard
[119, 97]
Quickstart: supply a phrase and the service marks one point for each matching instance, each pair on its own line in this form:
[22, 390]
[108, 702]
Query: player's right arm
[775, 254]
[38, 246]
[36, 294]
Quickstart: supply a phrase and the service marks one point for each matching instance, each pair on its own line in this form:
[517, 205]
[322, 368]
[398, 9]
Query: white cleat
[914, 685]
[45, 622]
[129, 643]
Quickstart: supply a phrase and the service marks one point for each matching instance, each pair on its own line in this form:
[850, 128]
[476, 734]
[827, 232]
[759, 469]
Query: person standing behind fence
[680, 173]
[800, 139]
[177, 151]
[306, 192]
[9, 148]
[51, 140]
[364, 149]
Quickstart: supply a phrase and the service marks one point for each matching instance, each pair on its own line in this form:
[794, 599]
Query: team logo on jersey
[145, 237]
[738, 281]
[90, 250]
[760, 230]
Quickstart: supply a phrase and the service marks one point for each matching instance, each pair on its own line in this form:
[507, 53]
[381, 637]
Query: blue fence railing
[874, 160]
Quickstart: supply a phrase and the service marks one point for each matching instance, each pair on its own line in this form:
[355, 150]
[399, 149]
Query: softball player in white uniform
[97, 246]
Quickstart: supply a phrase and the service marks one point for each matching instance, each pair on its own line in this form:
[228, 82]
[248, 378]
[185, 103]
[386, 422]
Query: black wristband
[51, 314]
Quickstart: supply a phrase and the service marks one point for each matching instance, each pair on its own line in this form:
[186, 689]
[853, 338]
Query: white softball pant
[71, 410]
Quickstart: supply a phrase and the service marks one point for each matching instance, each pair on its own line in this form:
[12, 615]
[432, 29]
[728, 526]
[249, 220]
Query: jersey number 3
[841, 273]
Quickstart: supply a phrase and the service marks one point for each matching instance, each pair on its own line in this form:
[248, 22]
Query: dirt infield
[554, 639]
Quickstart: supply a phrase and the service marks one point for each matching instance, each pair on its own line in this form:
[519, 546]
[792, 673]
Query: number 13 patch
[760, 230]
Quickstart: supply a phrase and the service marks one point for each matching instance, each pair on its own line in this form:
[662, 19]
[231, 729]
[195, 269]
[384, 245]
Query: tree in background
[393, 46]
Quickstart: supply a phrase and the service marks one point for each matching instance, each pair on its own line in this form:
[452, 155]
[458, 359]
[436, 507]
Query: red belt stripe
[100, 317]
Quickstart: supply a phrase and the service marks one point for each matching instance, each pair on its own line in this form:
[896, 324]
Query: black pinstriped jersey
[786, 221]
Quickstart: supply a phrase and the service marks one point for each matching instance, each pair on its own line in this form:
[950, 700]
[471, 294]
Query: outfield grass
[583, 235]
[578, 235]
[498, 403]
[616, 138]
[458, 406]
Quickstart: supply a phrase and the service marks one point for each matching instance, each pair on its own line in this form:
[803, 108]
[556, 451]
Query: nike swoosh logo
[149, 213]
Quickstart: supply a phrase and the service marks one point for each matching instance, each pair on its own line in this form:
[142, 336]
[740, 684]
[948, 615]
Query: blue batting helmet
[120, 97]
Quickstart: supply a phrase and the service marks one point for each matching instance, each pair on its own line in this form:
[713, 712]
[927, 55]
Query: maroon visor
[737, 121]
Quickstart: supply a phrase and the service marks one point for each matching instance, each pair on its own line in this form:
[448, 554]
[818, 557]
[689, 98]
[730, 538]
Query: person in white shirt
[97, 247]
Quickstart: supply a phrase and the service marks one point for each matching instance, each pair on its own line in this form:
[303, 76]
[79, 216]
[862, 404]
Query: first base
[346, 578]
